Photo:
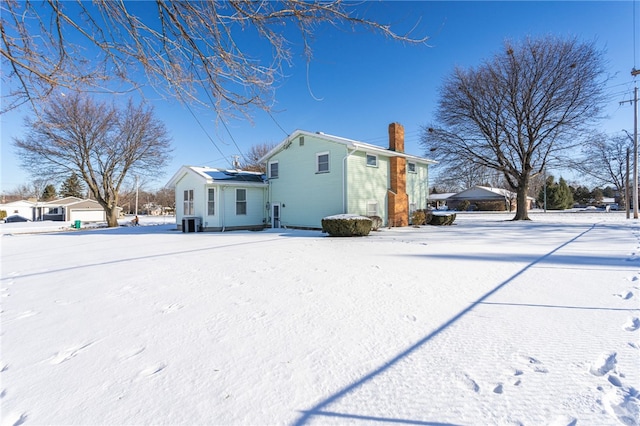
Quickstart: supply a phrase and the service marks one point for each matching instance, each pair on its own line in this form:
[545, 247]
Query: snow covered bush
[418, 218]
[346, 225]
[442, 219]
[376, 222]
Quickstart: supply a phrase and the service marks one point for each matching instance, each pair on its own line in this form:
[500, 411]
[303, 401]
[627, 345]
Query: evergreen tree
[559, 195]
[49, 193]
[72, 187]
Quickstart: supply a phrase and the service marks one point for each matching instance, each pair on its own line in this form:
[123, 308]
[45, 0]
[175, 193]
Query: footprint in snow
[148, 372]
[605, 363]
[623, 404]
[410, 318]
[632, 324]
[14, 419]
[533, 363]
[167, 309]
[498, 389]
[69, 353]
[626, 296]
[564, 420]
[614, 380]
[468, 383]
[132, 353]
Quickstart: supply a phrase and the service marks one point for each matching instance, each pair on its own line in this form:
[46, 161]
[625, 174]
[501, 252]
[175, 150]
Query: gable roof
[211, 175]
[481, 192]
[349, 143]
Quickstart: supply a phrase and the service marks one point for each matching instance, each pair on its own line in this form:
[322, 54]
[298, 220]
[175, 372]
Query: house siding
[306, 196]
[418, 186]
[367, 184]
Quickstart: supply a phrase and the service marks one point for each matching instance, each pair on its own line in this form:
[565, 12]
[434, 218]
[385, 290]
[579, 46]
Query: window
[241, 201]
[372, 160]
[411, 167]
[372, 208]
[273, 170]
[301, 140]
[322, 161]
[188, 202]
[211, 201]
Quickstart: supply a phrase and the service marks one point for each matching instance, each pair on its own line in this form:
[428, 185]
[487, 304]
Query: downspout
[222, 209]
[344, 179]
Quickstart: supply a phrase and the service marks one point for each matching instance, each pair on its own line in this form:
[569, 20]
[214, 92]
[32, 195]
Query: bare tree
[222, 54]
[97, 141]
[251, 161]
[518, 111]
[604, 159]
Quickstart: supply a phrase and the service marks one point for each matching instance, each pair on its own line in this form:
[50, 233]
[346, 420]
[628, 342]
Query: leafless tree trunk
[222, 54]
[514, 113]
[98, 142]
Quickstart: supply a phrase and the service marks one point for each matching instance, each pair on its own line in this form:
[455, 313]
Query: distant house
[210, 199]
[63, 209]
[22, 208]
[486, 199]
[314, 175]
[71, 209]
[439, 201]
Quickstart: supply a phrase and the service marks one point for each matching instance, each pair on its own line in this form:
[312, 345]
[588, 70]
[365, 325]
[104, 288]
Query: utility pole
[634, 73]
[137, 187]
[626, 187]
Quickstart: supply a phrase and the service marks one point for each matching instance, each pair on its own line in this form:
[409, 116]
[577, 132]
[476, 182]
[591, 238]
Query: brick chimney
[396, 137]
[398, 200]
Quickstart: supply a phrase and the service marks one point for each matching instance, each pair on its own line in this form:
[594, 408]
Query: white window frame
[375, 160]
[188, 203]
[372, 208]
[277, 173]
[322, 154]
[241, 204]
[211, 201]
[409, 166]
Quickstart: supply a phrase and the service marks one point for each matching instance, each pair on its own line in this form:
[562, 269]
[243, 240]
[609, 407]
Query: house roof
[485, 192]
[440, 197]
[222, 176]
[349, 143]
[480, 192]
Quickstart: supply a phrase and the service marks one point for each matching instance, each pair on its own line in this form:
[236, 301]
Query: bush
[376, 222]
[346, 225]
[3, 214]
[464, 205]
[443, 219]
[492, 206]
[418, 218]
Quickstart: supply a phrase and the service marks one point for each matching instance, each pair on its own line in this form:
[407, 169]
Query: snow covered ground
[485, 322]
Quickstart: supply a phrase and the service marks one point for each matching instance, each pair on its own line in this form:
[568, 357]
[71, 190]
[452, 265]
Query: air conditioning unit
[191, 224]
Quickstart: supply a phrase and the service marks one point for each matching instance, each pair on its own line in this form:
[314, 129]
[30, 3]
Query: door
[275, 215]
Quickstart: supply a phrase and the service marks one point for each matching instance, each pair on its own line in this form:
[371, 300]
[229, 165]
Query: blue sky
[359, 82]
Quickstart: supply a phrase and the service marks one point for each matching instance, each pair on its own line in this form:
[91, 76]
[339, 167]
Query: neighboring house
[22, 208]
[218, 200]
[67, 209]
[314, 175]
[487, 199]
[70, 209]
[439, 201]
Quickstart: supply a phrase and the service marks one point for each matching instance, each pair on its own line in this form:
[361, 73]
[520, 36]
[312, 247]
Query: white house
[22, 208]
[209, 199]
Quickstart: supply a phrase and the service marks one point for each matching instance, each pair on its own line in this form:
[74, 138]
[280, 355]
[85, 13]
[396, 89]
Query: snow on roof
[350, 143]
[211, 175]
